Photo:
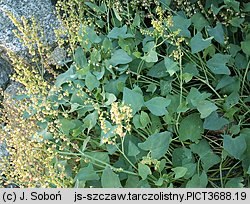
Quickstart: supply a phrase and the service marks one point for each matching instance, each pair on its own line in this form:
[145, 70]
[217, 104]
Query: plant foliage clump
[152, 93]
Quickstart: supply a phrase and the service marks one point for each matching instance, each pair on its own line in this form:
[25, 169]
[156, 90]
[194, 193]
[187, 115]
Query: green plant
[154, 95]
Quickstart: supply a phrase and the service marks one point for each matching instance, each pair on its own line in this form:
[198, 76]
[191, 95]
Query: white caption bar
[91, 195]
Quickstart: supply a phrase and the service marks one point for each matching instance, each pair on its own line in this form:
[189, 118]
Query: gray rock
[5, 71]
[12, 89]
[42, 10]
[3, 150]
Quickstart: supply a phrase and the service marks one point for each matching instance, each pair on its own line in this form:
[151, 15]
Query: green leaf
[182, 108]
[215, 8]
[245, 46]
[136, 121]
[175, 102]
[206, 108]
[234, 49]
[209, 51]
[166, 87]
[191, 170]
[143, 184]
[235, 183]
[237, 22]
[213, 122]
[179, 172]
[126, 44]
[194, 97]
[225, 80]
[66, 125]
[217, 32]
[207, 156]
[241, 61]
[235, 129]
[161, 165]
[137, 20]
[246, 7]
[44, 132]
[80, 58]
[199, 21]
[143, 170]
[151, 56]
[94, 7]
[232, 99]
[117, 14]
[111, 148]
[144, 119]
[109, 179]
[90, 120]
[202, 148]
[120, 57]
[217, 64]
[159, 182]
[87, 174]
[73, 107]
[92, 36]
[157, 105]
[101, 156]
[234, 146]
[132, 149]
[132, 181]
[91, 81]
[198, 44]
[165, 3]
[117, 33]
[198, 181]
[246, 162]
[191, 128]
[110, 98]
[209, 160]
[233, 4]
[65, 77]
[158, 70]
[151, 88]
[171, 66]
[190, 68]
[181, 25]
[107, 44]
[148, 45]
[78, 99]
[182, 156]
[84, 144]
[115, 86]
[187, 77]
[133, 98]
[159, 140]
[156, 124]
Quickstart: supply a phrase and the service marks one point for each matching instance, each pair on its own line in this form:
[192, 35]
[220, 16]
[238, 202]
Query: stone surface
[40, 9]
[3, 151]
[13, 88]
[5, 71]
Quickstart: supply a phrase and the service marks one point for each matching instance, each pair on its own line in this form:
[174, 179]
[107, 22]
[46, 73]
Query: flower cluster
[30, 162]
[151, 162]
[121, 116]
